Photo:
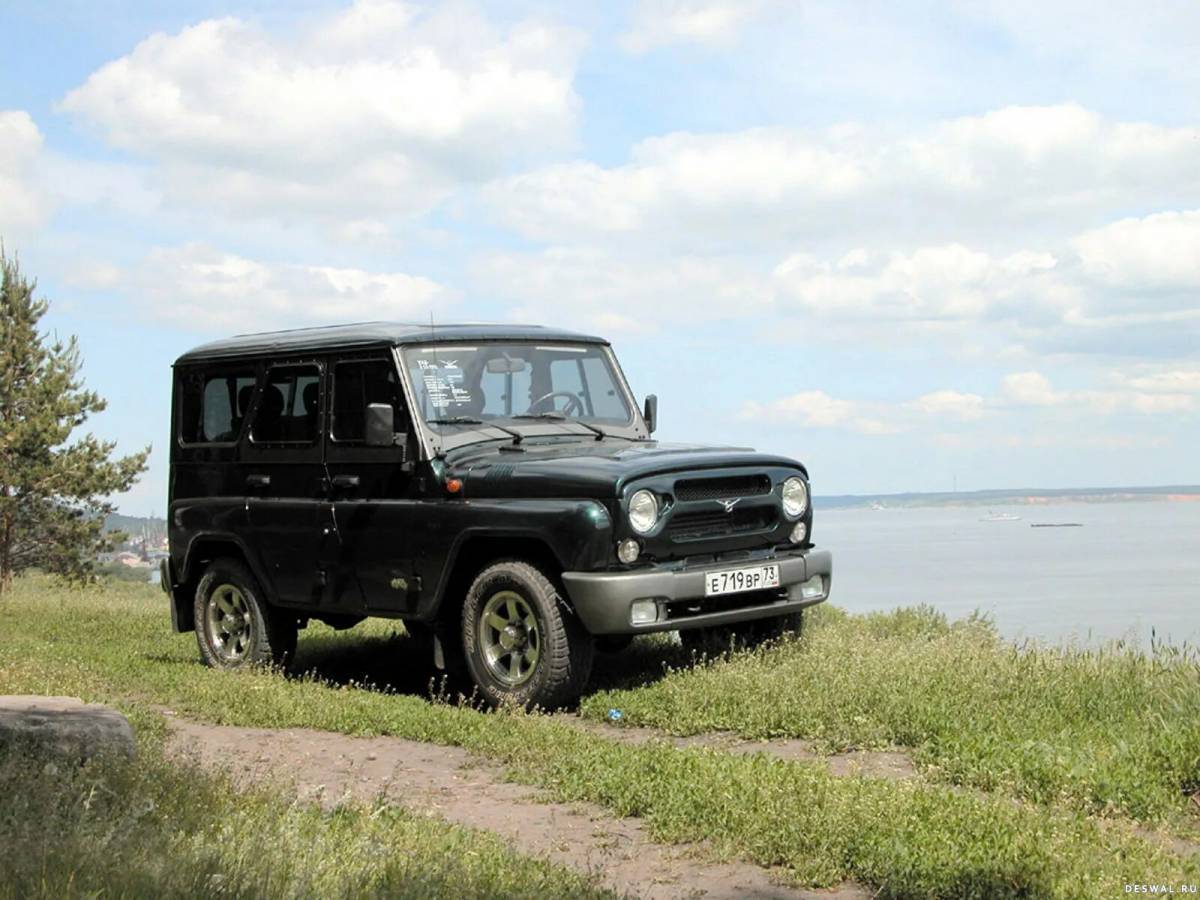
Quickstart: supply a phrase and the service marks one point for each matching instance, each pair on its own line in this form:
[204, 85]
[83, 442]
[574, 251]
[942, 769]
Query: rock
[65, 726]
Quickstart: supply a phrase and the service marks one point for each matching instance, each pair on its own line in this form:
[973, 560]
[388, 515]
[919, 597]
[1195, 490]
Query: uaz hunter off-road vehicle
[495, 487]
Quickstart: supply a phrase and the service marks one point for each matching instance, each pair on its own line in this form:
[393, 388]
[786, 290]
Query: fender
[576, 533]
[191, 556]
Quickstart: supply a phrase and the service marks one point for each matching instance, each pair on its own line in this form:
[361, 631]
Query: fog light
[813, 589]
[799, 533]
[628, 551]
[643, 612]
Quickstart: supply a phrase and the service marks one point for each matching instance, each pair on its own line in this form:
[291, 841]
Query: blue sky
[910, 243]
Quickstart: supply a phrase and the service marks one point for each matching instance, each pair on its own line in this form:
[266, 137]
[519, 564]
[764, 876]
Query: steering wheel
[573, 408]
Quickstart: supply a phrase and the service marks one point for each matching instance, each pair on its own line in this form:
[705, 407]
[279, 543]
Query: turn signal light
[453, 485]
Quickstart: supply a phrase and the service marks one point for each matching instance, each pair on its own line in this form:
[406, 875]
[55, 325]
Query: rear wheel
[522, 645]
[235, 628]
[720, 639]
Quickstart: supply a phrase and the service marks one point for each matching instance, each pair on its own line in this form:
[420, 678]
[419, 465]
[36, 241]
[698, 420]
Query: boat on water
[1000, 517]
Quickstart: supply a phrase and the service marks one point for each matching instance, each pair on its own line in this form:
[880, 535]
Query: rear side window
[290, 406]
[214, 406]
[358, 384]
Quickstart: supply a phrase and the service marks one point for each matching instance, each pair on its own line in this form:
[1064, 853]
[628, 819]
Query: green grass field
[1067, 758]
[1106, 730]
[153, 829]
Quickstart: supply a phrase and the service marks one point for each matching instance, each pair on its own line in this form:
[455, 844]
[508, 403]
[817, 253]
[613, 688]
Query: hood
[588, 468]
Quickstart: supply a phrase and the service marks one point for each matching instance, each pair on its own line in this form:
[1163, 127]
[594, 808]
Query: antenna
[433, 340]
[437, 365]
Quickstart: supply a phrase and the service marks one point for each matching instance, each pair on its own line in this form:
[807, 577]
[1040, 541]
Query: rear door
[207, 490]
[284, 479]
[371, 488]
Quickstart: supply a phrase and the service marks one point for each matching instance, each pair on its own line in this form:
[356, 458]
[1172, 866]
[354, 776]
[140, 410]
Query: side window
[357, 385]
[290, 405]
[214, 406]
[603, 396]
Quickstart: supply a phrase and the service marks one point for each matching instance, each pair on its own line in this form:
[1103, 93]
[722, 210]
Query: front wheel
[523, 646]
[235, 627]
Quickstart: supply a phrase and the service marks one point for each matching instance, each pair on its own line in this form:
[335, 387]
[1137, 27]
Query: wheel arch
[476, 550]
[202, 550]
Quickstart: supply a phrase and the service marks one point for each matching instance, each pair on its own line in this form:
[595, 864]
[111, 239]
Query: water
[1131, 568]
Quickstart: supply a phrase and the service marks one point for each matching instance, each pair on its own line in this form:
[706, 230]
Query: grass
[908, 839]
[1106, 730]
[115, 828]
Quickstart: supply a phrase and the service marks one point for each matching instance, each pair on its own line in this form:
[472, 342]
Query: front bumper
[602, 600]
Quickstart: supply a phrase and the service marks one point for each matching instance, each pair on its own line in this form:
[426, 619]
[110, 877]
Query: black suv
[495, 486]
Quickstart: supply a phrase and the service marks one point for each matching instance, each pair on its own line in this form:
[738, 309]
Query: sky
[916, 245]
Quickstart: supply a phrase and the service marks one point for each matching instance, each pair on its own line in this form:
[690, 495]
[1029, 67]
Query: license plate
[734, 581]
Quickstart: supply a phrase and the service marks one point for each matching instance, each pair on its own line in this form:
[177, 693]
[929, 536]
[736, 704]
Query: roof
[371, 334]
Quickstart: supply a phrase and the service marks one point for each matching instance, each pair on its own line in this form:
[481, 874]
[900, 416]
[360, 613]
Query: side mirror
[381, 425]
[650, 412]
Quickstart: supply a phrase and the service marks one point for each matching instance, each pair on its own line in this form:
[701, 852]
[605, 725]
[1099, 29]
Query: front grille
[687, 489]
[696, 526]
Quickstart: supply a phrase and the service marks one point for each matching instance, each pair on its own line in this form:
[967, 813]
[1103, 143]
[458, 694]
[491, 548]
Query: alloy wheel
[229, 623]
[509, 638]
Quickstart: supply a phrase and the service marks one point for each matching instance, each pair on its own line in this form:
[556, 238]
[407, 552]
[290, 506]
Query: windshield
[514, 383]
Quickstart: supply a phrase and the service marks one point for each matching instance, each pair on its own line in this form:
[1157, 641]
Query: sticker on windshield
[443, 383]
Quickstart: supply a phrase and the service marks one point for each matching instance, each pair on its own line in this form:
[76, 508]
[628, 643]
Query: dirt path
[872, 763]
[451, 784]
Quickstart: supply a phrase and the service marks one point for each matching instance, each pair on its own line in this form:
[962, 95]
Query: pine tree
[53, 495]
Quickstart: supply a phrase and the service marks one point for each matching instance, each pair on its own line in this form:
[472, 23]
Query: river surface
[1129, 569]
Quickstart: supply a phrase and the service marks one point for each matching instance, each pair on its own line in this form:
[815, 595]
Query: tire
[514, 611]
[720, 639]
[235, 627]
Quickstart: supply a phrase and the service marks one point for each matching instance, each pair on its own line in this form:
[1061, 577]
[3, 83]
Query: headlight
[643, 511]
[795, 497]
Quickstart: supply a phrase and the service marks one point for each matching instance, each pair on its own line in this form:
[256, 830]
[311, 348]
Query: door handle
[258, 481]
[345, 481]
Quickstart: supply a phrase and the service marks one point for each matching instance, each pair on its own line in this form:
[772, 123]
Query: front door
[284, 476]
[370, 488]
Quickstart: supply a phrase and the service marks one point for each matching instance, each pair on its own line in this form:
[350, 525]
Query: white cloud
[1073, 410]
[23, 203]
[1040, 167]
[1170, 381]
[207, 289]
[816, 409]
[597, 289]
[944, 282]
[1035, 389]
[1160, 252]
[660, 22]
[1030, 389]
[1130, 42]
[377, 109]
[951, 404]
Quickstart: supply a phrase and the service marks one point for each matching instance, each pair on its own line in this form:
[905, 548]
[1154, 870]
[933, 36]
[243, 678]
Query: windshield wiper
[559, 416]
[516, 436]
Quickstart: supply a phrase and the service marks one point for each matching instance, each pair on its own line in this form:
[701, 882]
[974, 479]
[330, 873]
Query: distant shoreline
[1186, 493]
[1014, 497]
